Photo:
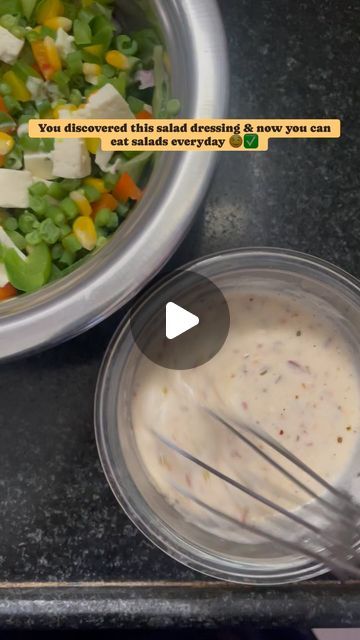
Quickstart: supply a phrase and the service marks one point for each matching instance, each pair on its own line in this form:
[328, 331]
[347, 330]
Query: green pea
[37, 204]
[69, 208]
[122, 210]
[102, 217]
[55, 214]
[70, 185]
[71, 243]
[101, 242]
[49, 232]
[67, 258]
[57, 191]
[65, 229]
[76, 97]
[110, 181]
[56, 251]
[27, 222]
[113, 221]
[91, 193]
[38, 189]
[33, 238]
[10, 224]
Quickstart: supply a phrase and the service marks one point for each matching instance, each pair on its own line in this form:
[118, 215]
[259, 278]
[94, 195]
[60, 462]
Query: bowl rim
[178, 184]
[178, 548]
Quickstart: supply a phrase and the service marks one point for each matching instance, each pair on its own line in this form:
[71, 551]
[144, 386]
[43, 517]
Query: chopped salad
[61, 200]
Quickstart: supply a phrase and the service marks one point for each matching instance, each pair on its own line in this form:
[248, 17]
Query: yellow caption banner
[185, 135]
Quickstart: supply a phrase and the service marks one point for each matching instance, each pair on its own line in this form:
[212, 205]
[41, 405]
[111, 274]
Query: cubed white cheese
[71, 159]
[37, 88]
[65, 114]
[106, 103]
[64, 43]
[40, 164]
[10, 46]
[14, 186]
[102, 159]
[7, 242]
[23, 129]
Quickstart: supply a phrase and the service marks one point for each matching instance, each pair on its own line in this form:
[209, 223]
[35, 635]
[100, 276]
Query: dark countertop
[60, 522]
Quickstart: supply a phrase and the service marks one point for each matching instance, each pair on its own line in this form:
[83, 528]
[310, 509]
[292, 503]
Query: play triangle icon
[178, 320]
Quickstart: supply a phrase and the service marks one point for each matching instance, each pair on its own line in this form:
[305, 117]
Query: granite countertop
[68, 555]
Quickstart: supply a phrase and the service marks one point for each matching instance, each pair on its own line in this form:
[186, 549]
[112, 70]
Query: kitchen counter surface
[68, 555]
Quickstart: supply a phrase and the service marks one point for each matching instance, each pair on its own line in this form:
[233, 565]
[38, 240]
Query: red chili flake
[244, 405]
[281, 432]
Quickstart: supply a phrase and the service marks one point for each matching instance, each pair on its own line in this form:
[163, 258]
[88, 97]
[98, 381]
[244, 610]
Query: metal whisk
[333, 545]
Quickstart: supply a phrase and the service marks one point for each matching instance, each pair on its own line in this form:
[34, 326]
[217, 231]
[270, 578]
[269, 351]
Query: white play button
[178, 320]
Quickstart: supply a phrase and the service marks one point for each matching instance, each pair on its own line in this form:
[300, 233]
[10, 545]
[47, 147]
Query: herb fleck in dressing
[286, 368]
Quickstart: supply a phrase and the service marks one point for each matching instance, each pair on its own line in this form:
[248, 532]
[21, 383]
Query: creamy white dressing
[285, 368]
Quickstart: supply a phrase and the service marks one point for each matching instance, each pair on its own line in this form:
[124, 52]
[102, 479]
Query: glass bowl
[293, 272]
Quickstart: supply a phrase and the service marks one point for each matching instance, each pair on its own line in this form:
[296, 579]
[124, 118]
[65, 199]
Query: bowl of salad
[82, 230]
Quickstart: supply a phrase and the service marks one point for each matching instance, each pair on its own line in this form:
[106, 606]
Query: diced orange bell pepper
[3, 107]
[144, 115]
[107, 201]
[46, 56]
[126, 189]
[7, 292]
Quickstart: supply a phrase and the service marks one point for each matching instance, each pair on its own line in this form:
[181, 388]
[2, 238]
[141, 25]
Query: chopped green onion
[126, 45]
[82, 33]
[74, 62]
[17, 239]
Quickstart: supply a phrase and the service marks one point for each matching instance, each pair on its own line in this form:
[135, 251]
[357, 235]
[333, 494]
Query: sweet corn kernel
[92, 144]
[97, 183]
[81, 202]
[95, 50]
[18, 87]
[59, 23]
[90, 69]
[85, 231]
[49, 9]
[117, 59]
[6, 143]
